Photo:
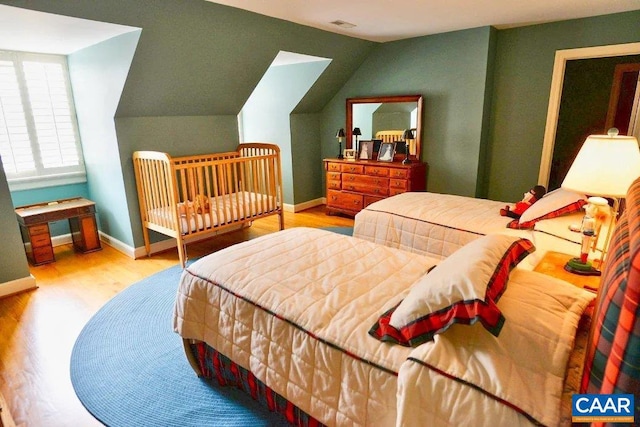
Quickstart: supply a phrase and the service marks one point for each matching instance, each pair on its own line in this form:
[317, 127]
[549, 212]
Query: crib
[194, 197]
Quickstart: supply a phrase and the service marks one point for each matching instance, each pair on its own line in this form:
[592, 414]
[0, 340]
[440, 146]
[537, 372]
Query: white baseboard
[18, 285]
[302, 206]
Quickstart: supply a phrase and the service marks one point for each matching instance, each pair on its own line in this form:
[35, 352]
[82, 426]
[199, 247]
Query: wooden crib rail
[187, 197]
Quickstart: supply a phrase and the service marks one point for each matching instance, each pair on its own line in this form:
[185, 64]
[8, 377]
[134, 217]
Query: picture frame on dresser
[387, 152]
[349, 154]
[366, 150]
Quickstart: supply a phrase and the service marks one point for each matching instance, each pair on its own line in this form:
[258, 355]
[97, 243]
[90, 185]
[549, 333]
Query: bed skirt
[218, 369]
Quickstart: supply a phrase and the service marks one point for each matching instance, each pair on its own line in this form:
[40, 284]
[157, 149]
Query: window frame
[44, 177]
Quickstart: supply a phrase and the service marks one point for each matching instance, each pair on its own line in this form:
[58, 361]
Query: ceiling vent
[343, 24]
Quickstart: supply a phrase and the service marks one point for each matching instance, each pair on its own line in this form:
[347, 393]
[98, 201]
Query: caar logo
[602, 407]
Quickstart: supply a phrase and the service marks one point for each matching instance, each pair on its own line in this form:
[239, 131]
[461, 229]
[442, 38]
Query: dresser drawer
[334, 185]
[333, 176]
[394, 191]
[399, 173]
[376, 170]
[374, 181]
[333, 167]
[401, 184]
[359, 187]
[371, 199]
[349, 201]
[352, 168]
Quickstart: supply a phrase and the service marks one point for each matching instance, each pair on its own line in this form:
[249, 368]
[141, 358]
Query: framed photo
[349, 154]
[387, 151]
[366, 150]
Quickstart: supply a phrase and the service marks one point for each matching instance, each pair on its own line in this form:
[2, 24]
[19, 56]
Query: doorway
[590, 87]
[557, 81]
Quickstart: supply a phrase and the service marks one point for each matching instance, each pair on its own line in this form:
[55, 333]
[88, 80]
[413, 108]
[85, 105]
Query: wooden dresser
[353, 185]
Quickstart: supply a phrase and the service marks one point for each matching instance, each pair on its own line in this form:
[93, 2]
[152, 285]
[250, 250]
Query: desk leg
[84, 233]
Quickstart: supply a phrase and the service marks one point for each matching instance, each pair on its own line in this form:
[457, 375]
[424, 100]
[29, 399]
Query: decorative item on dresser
[340, 137]
[353, 185]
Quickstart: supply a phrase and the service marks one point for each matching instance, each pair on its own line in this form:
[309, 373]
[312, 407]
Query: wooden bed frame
[193, 197]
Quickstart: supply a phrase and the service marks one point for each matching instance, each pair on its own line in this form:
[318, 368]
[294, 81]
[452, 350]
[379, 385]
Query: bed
[194, 197]
[334, 330]
[439, 224]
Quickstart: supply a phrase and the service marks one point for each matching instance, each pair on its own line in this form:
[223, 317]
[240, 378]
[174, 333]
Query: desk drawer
[40, 240]
[39, 229]
[42, 255]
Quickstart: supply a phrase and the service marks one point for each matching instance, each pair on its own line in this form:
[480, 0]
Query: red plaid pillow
[554, 204]
[464, 288]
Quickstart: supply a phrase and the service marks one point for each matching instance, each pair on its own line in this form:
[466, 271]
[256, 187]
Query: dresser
[353, 185]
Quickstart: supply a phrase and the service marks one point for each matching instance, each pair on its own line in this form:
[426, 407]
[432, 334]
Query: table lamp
[605, 166]
[407, 136]
[340, 136]
[357, 133]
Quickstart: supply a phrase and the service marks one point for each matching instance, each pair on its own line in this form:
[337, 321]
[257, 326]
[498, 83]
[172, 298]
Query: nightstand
[553, 263]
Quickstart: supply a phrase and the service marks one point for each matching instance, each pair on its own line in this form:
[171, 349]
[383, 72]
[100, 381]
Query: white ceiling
[28, 31]
[387, 20]
[376, 20]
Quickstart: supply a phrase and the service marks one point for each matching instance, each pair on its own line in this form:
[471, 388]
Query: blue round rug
[128, 367]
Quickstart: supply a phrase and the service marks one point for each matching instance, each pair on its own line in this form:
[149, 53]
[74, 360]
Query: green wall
[486, 93]
[13, 261]
[523, 71]
[450, 71]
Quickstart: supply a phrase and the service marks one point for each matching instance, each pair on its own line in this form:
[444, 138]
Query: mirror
[386, 118]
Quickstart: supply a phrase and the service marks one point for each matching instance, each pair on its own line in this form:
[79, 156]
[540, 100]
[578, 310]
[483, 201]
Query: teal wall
[98, 74]
[523, 70]
[265, 116]
[13, 261]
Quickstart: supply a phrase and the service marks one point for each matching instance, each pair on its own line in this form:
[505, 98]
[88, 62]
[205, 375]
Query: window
[39, 140]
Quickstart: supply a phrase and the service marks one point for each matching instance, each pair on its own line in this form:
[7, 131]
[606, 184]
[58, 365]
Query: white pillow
[552, 202]
[463, 288]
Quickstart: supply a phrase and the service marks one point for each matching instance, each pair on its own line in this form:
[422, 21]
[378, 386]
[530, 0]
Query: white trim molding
[557, 80]
[305, 205]
[18, 285]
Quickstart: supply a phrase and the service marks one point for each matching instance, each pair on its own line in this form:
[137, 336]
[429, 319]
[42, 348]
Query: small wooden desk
[34, 226]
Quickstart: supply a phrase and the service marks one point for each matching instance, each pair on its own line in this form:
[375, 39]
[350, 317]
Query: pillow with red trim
[554, 204]
[463, 288]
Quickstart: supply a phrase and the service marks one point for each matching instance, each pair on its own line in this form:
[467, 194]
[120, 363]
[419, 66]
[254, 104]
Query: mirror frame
[382, 99]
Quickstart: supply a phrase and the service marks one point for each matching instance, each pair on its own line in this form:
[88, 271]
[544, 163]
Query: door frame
[557, 80]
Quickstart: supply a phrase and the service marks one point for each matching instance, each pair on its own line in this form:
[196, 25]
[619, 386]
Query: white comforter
[430, 223]
[439, 224]
[295, 307]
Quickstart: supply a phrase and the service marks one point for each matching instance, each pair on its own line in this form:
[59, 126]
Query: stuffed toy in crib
[530, 197]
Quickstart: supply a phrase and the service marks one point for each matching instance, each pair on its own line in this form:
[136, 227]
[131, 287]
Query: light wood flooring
[38, 328]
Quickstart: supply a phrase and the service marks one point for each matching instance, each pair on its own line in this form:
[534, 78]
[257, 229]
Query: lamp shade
[606, 165]
[407, 134]
[340, 133]
[356, 131]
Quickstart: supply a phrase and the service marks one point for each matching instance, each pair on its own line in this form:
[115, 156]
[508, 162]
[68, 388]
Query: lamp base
[575, 266]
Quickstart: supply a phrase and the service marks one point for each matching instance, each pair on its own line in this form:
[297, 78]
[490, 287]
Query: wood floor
[38, 328]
